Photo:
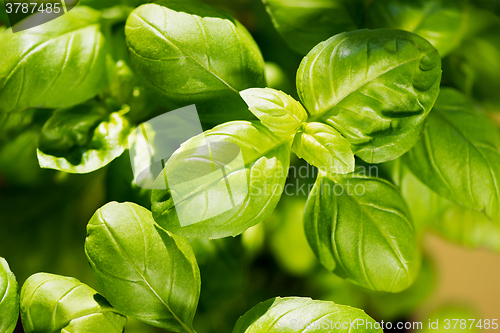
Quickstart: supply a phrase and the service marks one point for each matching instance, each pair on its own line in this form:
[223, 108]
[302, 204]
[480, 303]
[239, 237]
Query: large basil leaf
[144, 271]
[53, 303]
[300, 314]
[194, 54]
[9, 300]
[360, 228]
[374, 86]
[458, 155]
[303, 24]
[325, 148]
[441, 22]
[222, 182]
[278, 111]
[57, 64]
[82, 139]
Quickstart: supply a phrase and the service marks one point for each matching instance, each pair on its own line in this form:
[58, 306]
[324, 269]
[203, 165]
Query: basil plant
[388, 85]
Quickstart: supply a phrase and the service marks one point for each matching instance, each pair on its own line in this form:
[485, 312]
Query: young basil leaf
[53, 303]
[360, 228]
[9, 299]
[57, 64]
[441, 22]
[374, 86]
[278, 111]
[300, 314]
[303, 24]
[82, 139]
[154, 277]
[222, 182]
[325, 148]
[194, 54]
[458, 155]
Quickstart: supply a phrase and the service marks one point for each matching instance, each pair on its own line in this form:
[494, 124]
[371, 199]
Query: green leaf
[9, 299]
[57, 64]
[391, 307]
[194, 54]
[374, 86]
[222, 182]
[441, 22]
[325, 148]
[300, 314]
[82, 139]
[53, 303]
[145, 272]
[360, 228]
[279, 112]
[458, 155]
[303, 24]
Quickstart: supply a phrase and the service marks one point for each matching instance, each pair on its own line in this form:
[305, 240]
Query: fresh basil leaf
[292, 314]
[53, 303]
[458, 155]
[154, 277]
[391, 307]
[222, 182]
[325, 148]
[374, 86]
[303, 24]
[278, 111]
[194, 54]
[57, 64]
[82, 139]
[441, 22]
[360, 228]
[9, 299]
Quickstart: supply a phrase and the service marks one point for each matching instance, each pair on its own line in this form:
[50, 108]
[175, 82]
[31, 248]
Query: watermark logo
[26, 14]
[205, 170]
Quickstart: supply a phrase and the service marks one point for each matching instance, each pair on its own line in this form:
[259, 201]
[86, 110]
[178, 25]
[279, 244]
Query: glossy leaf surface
[360, 228]
[53, 303]
[82, 139]
[144, 271]
[222, 182]
[278, 111]
[293, 314]
[458, 155]
[325, 148]
[57, 64]
[9, 299]
[303, 24]
[194, 54]
[441, 22]
[374, 86]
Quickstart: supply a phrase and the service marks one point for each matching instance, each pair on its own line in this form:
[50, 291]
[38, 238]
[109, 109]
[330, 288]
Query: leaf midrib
[165, 38]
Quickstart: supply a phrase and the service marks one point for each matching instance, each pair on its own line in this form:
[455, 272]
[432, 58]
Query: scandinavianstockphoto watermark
[352, 325]
[296, 185]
